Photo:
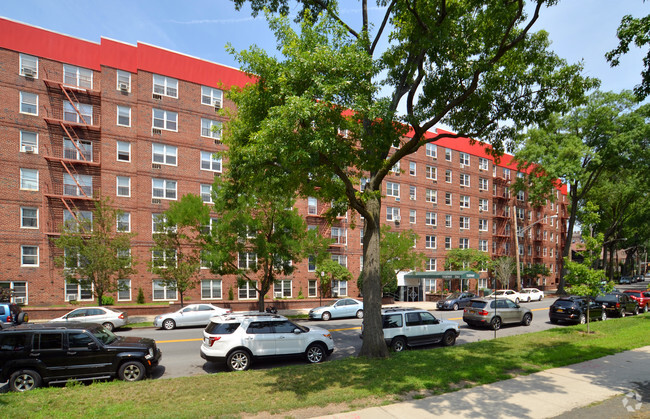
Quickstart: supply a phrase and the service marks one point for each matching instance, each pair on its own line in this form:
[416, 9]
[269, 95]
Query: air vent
[157, 96]
[156, 131]
[155, 201]
[155, 166]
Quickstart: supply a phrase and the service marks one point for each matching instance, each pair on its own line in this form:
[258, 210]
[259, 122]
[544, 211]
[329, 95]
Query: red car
[643, 298]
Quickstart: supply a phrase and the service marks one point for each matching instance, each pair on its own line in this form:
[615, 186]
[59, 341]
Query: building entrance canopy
[444, 275]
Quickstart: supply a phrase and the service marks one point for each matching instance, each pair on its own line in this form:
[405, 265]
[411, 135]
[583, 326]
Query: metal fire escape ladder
[74, 102]
[75, 141]
[65, 166]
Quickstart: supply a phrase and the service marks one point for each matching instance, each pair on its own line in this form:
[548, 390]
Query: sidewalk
[544, 394]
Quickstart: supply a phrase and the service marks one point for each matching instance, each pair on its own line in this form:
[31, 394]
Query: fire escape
[502, 234]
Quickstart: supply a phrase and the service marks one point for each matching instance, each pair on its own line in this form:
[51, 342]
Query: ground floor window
[339, 288]
[482, 283]
[18, 291]
[311, 288]
[248, 291]
[430, 285]
[282, 289]
[123, 290]
[211, 289]
[78, 291]
[162, 291]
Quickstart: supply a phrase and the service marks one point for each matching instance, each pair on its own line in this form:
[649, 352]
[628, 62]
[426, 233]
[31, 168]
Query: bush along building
[140, 124]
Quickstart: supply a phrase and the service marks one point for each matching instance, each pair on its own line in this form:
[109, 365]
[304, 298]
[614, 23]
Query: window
[28, 141]
[79, 185]
[165, 119]
[206, 193]
[412, 216]
[431, 172]
[483, 184]
[123, 186]
[432, 150]
[431, 218]
[339, 288]
[124, 222]
[447, 243]
[79, 113]
[448, 154]
[464, 159]
[362, 184]
[412, 168]
[412, 193]
[123, 81]
[211, 289]
[463, 223]
[211, 97]
[164, 154]
[392, 189]
[28, 255]
[448, 220]
[431, 196]
[340, 259]
[338, 234]
[483, 164]
[430, 242]
[123, 151]
[18, 288]
[448, 176]
[162, 291]
[311, 288]
[71, 220]
[464, 201]
[464, 180]
[29, 66]
[210, 161]
[247, 291]
[395, 168]
[124, 116]
[482, 224]
[166, 86]
[210, 128]
[506, 173]
[163, 188]
[28, 217]
[312, 206]
[483, 204]
[392, 214]
[158, 223]
[463, 243]
[521, 196]
[29, 179]
[448, 200]
[247, 260]
[282, 288]
[77, 149]
[163, 258]
[77, 76]
[82, 291]
[29, 103]
[483, 245]
[123, 290]
[431, 266]
[311, 263]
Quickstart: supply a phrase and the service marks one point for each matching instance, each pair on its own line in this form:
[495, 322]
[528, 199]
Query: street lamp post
[518, 284]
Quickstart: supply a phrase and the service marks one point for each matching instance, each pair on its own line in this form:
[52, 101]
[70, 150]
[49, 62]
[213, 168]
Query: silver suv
[237, 339]
[414, 326]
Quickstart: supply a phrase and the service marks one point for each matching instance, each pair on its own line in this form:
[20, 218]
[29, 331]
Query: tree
[325, 115]
[178, 244]
[328, 270]
[95, 254]
[503, 268]
[535, 271]
[637, 31]
[472, 259]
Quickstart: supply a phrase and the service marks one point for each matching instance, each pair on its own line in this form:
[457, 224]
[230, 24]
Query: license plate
[472, 312]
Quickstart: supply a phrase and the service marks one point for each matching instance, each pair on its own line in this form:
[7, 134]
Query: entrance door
[412, 294]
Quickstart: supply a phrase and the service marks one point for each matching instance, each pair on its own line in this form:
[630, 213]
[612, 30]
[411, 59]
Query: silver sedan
[110, 319]
[191, 315]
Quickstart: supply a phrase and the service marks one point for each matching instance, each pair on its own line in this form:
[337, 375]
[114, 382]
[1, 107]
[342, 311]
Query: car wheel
[398, 344]
[528, 300]
[326, 316]
[582, 319]
[636, 310]
[645, 308]
[169, 324]
[315, 353]
[621, 313]
[131, 371]
[449, 338]
[603, 316]
[21, 318]
[360, 314]
[239, 360]
[527, 319]
[24, 380]
[109, 326]
[455, 307]
[516, 300]
[496, 323]
[554, 321]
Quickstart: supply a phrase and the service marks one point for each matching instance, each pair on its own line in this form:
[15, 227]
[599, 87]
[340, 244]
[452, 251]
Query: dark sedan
[455, 301]
[618, 304]
[575, 310]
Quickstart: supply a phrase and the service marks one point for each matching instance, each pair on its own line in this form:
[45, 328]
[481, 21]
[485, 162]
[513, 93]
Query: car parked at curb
[408, 327]
[618, 304]
[574, 309]
[345, 307]
[509, 294]
[625, 280]
[240, 338]
[107, 317]
[44, 353]
[455, 301]
[531, 294]
[12, 314]
[642, 297]
[495, 312]
[190, 315]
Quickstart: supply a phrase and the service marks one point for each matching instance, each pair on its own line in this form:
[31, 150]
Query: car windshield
[525, 291]
[500, 293]
[104, 335]
[563, 303]
[634, 293]
[453, 296]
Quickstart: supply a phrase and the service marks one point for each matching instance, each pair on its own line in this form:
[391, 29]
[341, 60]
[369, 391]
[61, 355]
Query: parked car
[455, 301]
[238, 339]
[642, 297]
[574, 309]
[45, 353]
[12, 314]
[618, 304]
[345, 307]
[509, 294]
[531, 294]
[625, 280]
[190, 315]
[109, 318]
[408, 327]
[495, 312]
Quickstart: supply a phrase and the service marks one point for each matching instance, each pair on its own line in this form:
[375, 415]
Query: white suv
[239, 338]
[413, 326]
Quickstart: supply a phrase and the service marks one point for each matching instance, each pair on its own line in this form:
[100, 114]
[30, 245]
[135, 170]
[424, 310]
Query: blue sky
[579, 29]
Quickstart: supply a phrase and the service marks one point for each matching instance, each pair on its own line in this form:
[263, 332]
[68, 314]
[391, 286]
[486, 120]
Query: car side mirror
[93, 346]
[297, 331]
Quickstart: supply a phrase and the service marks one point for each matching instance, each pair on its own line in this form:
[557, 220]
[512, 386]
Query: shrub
[140, 299]
[107, 300]
[231, 294]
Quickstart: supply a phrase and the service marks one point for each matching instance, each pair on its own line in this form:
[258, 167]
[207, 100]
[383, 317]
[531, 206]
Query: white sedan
[190, 315]
[531, 294]
[509, 294]
[105, 316]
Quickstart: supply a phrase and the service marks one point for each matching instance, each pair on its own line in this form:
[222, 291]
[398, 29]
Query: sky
[579, 29]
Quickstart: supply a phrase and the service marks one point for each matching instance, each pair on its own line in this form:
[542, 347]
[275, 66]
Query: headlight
[150, 354]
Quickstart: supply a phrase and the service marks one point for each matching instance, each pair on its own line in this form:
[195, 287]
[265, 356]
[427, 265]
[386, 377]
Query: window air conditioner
[71, 297]
[29, 149]
[397, 219]
[217, 105]
[19, 300]
[124, 87]
[28, 72]
[157, 96]
[412, 198]
[277, 294]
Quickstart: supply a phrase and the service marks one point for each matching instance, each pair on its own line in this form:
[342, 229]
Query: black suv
[574, 310]
[11, 314]
[618, 304]
[35, 354]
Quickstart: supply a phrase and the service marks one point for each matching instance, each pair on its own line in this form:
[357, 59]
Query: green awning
[443, 275]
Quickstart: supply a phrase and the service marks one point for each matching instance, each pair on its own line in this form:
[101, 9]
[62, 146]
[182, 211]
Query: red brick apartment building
[133, 122]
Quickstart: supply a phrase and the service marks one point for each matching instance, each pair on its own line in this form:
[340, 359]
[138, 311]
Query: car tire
[109, 326]
[131, 371]
[603, 316]
[495, 323]
[636, 311]
[449, 338]
[398, 344]
[645, 308]
[582, 319]
[315, 353]
[621, 313]
[516, 300]
[326, 316]
[455, 307]
[360, 314]
[239, 360]
[24, 380]
[527, 319]
[168, 324]
[528, 300]
[20, 319]
[554, 321]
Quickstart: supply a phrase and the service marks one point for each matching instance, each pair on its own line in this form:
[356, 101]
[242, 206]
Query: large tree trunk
[573, 193]
[373, 345]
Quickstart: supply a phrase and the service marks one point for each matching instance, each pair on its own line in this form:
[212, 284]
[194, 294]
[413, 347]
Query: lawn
[349, 384]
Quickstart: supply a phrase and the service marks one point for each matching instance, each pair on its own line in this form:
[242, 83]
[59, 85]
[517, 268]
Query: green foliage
[634, 31]
[535, 271]
[466, 259]
[5, 294]
[503, 268]
[140, 297]
[95, 253]
[328, 270]
[301, 296]
[231, 294]
[107, 300]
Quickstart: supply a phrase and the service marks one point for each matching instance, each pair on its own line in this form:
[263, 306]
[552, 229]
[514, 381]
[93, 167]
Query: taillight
[618, 305]
[483, 313]
[212, 340]
[9, 320]
[121, 316]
